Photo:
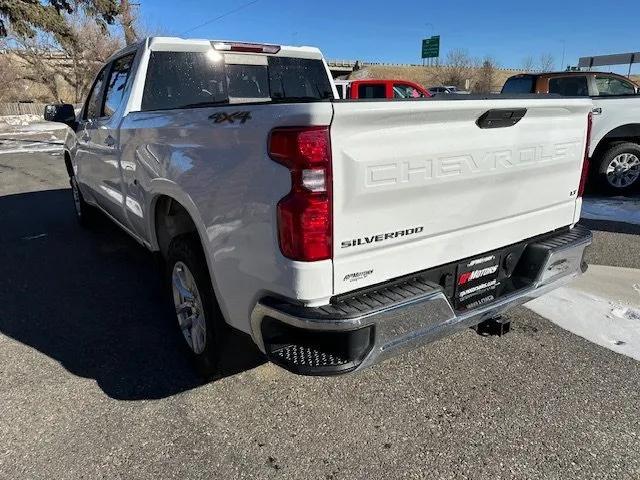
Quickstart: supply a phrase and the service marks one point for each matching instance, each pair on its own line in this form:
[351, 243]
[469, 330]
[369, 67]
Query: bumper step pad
[308, 357]
[364, 302]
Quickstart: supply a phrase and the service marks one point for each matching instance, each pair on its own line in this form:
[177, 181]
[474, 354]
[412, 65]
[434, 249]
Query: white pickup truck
[335, 233]
[615, 137]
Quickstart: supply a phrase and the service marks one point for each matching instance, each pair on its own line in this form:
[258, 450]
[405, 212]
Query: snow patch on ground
[615, 209]
[35, 147]
[20, 120]
[27, 124]
[41, 127]
[29, 133]
[626, 313]
[49, 142]
[599, 320]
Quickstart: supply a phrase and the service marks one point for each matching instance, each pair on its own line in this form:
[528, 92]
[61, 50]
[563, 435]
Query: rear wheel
[619, 170]
[199, 319]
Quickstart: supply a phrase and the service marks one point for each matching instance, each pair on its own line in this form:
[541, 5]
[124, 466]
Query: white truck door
[85, 155]
[109, 162]
[98, 138]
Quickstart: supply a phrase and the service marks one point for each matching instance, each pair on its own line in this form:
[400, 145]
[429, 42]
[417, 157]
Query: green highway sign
[431, 47]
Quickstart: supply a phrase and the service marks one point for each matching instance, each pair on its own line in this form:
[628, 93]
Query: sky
[386, 31]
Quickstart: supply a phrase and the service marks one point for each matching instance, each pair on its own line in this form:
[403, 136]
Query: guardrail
[352, 63]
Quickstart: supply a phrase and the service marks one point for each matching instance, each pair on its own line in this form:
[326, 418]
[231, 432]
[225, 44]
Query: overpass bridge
[339, 68]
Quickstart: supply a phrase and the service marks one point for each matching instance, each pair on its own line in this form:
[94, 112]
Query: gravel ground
[93, 383]
[615, 249]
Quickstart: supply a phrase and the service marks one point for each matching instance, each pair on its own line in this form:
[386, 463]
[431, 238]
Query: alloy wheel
[623, 170]
[189, 309]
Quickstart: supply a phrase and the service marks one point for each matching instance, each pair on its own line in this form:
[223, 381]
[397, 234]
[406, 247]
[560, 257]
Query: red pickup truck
[380, 89]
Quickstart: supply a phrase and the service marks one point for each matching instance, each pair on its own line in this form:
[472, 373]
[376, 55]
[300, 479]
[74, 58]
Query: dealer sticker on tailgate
[477, 282]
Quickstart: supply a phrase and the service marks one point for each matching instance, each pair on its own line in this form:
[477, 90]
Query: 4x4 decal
[223, 117]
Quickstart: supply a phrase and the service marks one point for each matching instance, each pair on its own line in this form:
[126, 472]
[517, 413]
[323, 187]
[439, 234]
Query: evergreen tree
[24, 18]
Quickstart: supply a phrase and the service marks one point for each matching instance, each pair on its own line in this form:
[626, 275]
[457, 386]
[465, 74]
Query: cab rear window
[573, 86]
[194, 79]
[372, 91]
[298, 78]
[516, 85]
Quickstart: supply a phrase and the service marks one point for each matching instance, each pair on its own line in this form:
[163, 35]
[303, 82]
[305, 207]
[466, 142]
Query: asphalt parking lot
[93, 383]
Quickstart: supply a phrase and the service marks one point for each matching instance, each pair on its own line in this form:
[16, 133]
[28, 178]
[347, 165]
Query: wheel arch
[166, 194]
[623, 133]
[167, 198]
[169, 219]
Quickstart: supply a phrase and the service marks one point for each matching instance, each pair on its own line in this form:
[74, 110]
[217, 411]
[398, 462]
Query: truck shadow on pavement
[611, 226]
[94, 301]
[606, 213]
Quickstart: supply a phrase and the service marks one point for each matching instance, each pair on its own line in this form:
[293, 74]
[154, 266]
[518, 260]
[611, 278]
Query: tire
[198, 319]
[619, 168]
[85, 213]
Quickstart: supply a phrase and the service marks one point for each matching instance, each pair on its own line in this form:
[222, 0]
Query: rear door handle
[109, 141]
[597, 111]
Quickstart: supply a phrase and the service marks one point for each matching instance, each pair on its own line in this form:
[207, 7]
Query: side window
[118, 79]
[520, 85]
[94, 100]
[613, 86]
[574, 86]
[372, 91]
[401, 90]
[183, 79]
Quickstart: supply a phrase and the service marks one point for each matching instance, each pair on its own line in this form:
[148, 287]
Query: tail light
[305, 227]
[586, 162]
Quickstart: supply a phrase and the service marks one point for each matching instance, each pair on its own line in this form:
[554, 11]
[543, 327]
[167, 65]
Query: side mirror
[61, 113]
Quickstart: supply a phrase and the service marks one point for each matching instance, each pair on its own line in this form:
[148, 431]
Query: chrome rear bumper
[424, 316]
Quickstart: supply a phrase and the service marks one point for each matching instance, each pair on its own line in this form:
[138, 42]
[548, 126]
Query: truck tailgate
[418, 184]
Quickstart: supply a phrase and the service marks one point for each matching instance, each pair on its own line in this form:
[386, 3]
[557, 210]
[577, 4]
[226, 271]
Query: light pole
[564, 51]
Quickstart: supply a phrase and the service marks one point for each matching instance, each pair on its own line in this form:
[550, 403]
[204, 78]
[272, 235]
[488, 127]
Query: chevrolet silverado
[336, 233]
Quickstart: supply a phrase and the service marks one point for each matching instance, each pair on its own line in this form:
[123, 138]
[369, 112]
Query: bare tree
[128, 20]
[69, 65]
[136, 27]
[547, 62]
[88, 55]
[457, 69]
[485, 76]
[144, 28]
[9, 76]
[39, 59]
[528, 64]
